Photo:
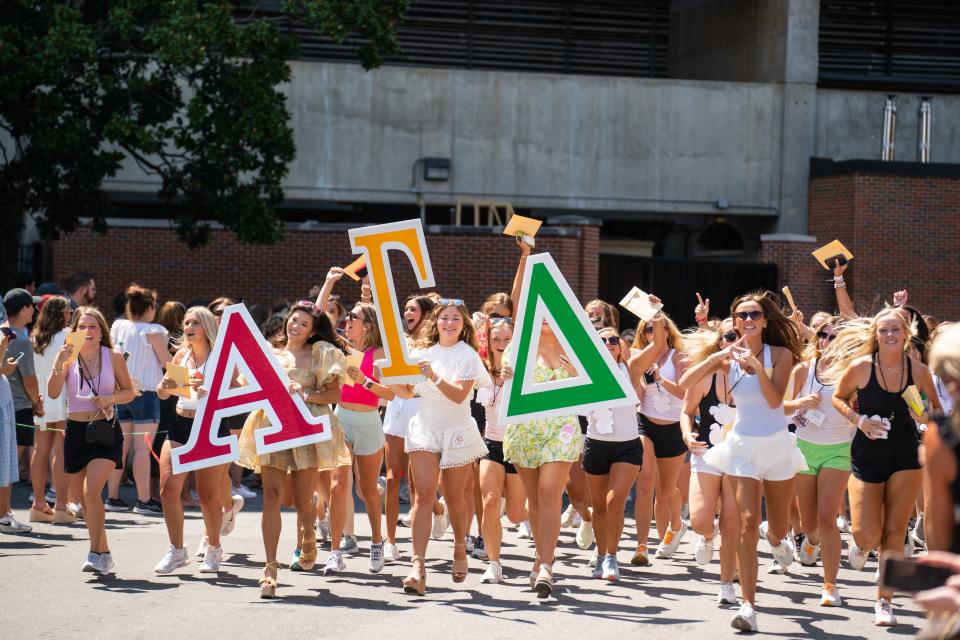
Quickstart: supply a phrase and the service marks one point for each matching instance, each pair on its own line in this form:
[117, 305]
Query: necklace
[884, 386]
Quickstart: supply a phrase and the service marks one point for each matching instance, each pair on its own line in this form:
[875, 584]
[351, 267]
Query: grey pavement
[45, 595]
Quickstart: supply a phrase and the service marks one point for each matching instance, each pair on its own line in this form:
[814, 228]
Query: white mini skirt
[774, 457]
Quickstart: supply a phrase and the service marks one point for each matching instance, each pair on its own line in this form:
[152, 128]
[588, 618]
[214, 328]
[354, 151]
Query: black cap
[17, 299]
[49, 288]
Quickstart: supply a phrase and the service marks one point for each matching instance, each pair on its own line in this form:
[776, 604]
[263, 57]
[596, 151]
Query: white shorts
[697, 465]
[397, 416]
[774, 457]
[457, 444]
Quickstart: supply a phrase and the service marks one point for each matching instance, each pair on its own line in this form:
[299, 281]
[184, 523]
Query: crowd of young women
[749, 426]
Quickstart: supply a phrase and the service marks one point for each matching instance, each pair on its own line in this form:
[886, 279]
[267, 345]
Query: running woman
[96, 381]
[759, 454]
[872, 370]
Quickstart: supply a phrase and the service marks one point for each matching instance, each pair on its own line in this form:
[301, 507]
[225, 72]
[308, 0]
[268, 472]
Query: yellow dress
[327, 364]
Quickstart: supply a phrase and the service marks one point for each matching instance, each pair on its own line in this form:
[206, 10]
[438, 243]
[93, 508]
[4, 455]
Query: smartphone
[841, 258]
[910, 576]
[18, 357]
[649, 378]
[10, 333]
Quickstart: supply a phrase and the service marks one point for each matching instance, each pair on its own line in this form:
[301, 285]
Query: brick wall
[903, 230]
[468, 263]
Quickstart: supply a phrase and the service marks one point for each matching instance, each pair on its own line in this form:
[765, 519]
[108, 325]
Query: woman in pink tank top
[96, 380]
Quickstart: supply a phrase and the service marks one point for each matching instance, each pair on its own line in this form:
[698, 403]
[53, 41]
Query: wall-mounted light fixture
[436, 169]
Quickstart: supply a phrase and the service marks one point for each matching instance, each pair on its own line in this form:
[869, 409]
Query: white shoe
[843, 524]
[776, 567]
[406, 520]
[566, 520]
[323, 530]
[746, 618]
[349, 544]
[671, 540]
[202, 547]
[211, 560]
[830, 597]
[611, 570]
[594, 559]
[480, 550]
[807, 553]
[726, 594]
[50, 496]
[493, 574]
[585, 535]
[174, 559]
[335, 563]
[908, 547]
[92, 563]
[391, 553]
[703, 553]
[9, 524]
[469, 542]
[230, 517]
[764, 527]
[440, 523]
[857, 557]
[883, 614]
[244, 492]
[577, 520]
[523, 531]
[107, 565]
[376, 557]
[783, 552]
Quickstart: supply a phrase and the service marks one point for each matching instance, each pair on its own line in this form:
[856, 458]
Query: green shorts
[362, 430]
[824, 456]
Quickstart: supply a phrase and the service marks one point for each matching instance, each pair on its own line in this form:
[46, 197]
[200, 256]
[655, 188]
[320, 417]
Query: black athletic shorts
[495, 454]
[600, 455]
[667, 438]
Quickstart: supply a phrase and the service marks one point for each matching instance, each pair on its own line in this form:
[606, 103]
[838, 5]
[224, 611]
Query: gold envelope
[355, 359]
[356, 265]
[914, 400]
[75, 339]
[637, 302]
[831, 250]
[181, 375]
[519, 225]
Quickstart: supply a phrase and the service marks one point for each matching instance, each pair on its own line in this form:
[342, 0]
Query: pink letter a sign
[239, 346]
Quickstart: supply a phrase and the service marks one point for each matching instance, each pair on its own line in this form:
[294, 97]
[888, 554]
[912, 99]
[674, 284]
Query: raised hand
[702, 311]
[900, 298]
[839, 269]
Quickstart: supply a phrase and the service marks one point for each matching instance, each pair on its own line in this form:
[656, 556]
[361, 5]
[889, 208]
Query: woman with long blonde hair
[872, 370]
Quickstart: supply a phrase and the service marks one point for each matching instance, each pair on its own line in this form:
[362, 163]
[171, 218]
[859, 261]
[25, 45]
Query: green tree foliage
[188, 89]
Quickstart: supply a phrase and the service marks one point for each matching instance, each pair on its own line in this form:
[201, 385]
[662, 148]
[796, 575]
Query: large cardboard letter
[374, 242]
[239, 346]
[599, 384]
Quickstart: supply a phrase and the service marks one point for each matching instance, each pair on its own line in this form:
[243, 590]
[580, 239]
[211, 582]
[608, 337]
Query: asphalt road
[45, 595]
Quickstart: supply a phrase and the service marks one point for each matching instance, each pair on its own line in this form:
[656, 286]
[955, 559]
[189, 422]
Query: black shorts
[179, 431]
[77, 452]
[495, 454]
[583, 424]
[667, 439]
[600, 455]
[24, 434]
[874, 461]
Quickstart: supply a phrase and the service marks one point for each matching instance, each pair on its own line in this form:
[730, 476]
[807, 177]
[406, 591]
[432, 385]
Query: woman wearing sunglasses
[359, 415]
[442, 438]
[659, 419]
[759, 454]
[872, 368]
[823, 436]
[314, 359]
[498, 478]
[706, 414]
[613, 452]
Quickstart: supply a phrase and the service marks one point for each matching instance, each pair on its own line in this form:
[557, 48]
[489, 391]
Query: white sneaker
[776, 567]
[807, 553]
[703, 553]
[440, 523]
[566, 520]
[493, 574]
[202, 547]
[230, 517]
[585, 535]
[523, 531]
[335, 563]
[671, 540]
[211, 560]
[107, 565]
[480, 550]
[857, 557]
[764, 527]
[883, 614]
[173, 559]
[9, 524]
[469, 542]
[323, 530]
[376, 557]
[746, 618]
[830, 597]
[611, 570]
[783, 552]
[726, 594]
[577, 520]
[244, 492]
[594, 559]
[843, 524]
[349, 544]
[50, 496]
[391, 553]
[406, 520]
[92, 563]
[908, 546]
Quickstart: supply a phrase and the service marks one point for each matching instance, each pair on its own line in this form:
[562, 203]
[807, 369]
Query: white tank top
[613, 425]
[754, 415]
[656, 401]
[833, 428]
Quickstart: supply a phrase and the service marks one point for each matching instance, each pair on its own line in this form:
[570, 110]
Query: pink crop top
[79, 391]
[355, 393]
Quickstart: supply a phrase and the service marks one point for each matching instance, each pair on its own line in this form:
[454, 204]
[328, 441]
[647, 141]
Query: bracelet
[839, 285]
[860, 421]
[838, 278]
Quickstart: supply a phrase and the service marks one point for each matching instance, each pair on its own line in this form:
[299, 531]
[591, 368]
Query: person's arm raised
[844, 303]
[518, 279]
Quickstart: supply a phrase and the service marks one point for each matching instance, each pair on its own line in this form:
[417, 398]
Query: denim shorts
[144, 409]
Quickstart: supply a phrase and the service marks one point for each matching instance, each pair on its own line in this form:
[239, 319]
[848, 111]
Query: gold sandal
[308, 551]
[268, 583]
[460, 567]
[416, 584]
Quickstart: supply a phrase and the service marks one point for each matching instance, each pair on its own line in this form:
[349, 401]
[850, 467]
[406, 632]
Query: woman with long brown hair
[49, 334]
[96, 381]
[759, 454]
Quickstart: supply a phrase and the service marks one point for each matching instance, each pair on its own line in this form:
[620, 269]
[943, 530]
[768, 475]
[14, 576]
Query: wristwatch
[367, 384]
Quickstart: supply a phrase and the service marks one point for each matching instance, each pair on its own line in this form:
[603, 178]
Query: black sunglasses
[353, 316]
[730, 336]
[611, 340]
[648, 329]
[829, 336]
[753, 315]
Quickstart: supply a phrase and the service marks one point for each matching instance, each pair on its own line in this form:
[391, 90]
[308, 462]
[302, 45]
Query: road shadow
[116, 584]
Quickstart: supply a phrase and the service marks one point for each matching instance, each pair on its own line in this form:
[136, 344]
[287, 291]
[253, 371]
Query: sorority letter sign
[599, 384]
[374, 242]
[239, 346]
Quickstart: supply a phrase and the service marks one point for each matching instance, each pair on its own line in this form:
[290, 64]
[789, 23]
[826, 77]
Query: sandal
[308, 552]
[268, 583]
[416, 582]
[460, 567]
[544, 583]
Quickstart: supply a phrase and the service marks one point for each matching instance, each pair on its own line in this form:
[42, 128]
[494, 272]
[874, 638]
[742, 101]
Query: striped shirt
[143, 365]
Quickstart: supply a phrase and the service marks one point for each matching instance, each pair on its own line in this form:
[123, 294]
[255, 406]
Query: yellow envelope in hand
[355, 359]
[357, 269]
[789, 297]
[181, 375]
[525, 228]
[76, 340]
[637, 302]
[832, 250]
[914, 400]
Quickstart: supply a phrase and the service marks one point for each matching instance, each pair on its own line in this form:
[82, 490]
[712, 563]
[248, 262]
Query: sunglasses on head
[829, 336]
[494, 322]
[753, 315]
[218, 312]
[730, 336]
[451, 302]
[611, 340]
[309, 306]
